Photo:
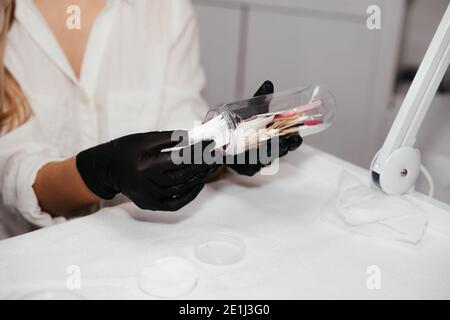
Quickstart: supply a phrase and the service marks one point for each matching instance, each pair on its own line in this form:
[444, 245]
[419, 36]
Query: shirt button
[84, 97]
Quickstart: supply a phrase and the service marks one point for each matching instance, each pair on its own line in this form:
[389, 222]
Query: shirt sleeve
[22, 153]
[183, 105]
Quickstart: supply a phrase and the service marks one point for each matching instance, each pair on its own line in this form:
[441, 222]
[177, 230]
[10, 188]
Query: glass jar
[242, 125]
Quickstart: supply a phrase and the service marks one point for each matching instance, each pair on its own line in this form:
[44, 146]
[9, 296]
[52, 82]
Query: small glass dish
[219, 248]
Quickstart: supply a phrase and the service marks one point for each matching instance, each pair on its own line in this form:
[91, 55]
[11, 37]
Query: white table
[291, 253]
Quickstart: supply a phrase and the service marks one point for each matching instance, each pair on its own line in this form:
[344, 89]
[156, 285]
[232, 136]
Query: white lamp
[396, 166]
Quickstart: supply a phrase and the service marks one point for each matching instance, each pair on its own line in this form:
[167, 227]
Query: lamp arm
[413, 110]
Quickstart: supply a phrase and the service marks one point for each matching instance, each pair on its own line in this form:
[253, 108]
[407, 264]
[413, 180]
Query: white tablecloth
[291, 253]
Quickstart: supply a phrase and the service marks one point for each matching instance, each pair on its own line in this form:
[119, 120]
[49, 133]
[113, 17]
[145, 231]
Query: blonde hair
[14, 107]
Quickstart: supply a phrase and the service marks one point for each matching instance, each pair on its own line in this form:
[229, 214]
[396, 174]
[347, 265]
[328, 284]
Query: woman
[131, 66]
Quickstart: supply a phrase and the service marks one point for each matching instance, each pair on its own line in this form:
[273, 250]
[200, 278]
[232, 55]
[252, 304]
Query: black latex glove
[134, 166]
[286, 143]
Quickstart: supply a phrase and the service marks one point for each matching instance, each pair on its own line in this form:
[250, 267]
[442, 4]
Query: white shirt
[140, 73]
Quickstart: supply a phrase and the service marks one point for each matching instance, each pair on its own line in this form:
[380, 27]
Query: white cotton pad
[169, 277]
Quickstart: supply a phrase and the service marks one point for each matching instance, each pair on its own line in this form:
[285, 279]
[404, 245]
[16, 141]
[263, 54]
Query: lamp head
[398, 173]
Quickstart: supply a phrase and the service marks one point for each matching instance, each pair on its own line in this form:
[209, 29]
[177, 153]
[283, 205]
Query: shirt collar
[27, 14]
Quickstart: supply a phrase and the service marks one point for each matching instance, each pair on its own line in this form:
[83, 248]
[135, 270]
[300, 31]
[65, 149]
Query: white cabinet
[296, 42]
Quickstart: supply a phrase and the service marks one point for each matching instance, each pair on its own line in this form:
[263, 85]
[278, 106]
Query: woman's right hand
[135, 166]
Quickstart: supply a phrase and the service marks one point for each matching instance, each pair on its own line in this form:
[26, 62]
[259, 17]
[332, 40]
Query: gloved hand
[135, 166]
[287, 143]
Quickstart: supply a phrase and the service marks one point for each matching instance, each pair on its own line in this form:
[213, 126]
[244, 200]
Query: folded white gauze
[366, 210]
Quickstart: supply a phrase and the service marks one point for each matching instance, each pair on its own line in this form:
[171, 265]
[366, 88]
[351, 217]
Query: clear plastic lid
[219, 248]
